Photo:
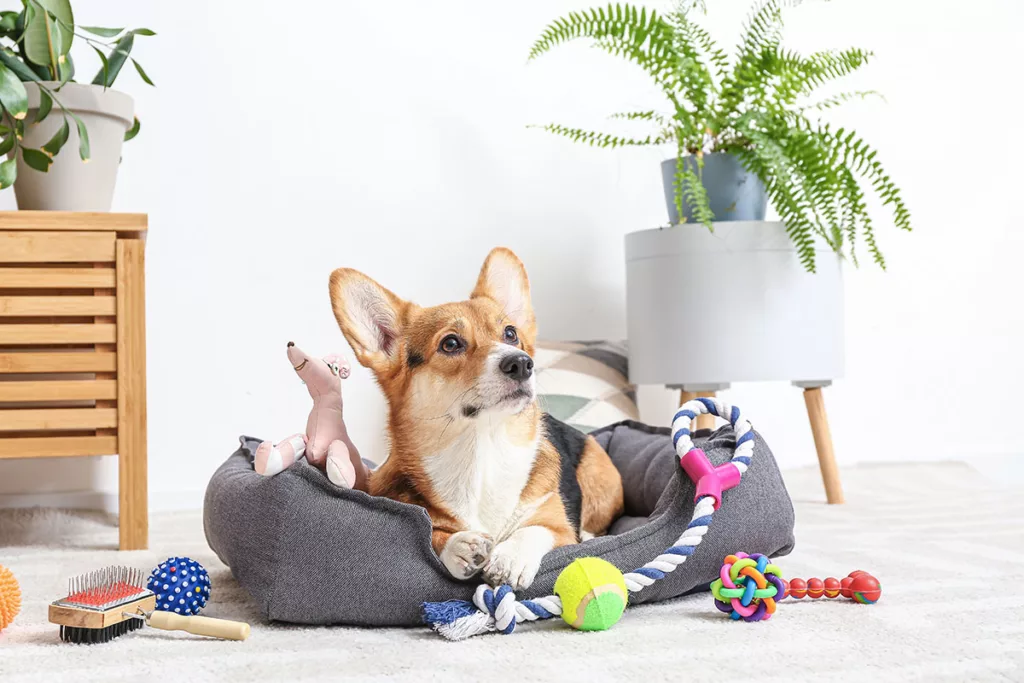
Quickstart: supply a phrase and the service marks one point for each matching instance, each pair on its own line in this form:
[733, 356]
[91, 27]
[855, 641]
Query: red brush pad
[97, 597]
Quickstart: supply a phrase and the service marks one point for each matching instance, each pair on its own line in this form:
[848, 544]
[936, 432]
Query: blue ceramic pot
[734, 193]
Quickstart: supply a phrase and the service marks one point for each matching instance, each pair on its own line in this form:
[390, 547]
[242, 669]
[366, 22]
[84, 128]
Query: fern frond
[715, 55]
[694, 51]
[854, 211]
[596, 139]
[761, 37]
[763, 27]
[813, 165]
[659, 65]
[689, 185]
[861, 158]
[802, 75]
[841, 99]
[667, 131]
[768, 160]
[650, 115]
[622, 21]
[832, 64]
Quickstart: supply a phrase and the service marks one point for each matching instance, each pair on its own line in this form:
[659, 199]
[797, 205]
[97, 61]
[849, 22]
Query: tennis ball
[593, 594]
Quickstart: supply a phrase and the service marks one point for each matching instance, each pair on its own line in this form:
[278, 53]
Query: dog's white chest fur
[481, 476]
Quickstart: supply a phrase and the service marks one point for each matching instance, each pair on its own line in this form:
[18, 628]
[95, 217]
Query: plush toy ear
[369, 316]
[341, 363]
[503, 280]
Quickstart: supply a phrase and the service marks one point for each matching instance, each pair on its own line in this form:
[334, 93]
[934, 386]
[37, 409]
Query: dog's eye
[510, 335]
[452, 344]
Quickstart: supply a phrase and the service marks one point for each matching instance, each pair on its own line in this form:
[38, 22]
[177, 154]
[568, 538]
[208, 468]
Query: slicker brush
[107, 603]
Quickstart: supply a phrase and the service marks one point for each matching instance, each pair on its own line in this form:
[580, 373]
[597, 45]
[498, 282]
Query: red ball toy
[862, 587]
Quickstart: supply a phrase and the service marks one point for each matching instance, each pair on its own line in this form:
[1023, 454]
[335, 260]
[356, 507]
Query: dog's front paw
[466, 552]
[516, 561]
[506, 567]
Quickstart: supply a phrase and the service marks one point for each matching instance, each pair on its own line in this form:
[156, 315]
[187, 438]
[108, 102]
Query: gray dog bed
[311, 553]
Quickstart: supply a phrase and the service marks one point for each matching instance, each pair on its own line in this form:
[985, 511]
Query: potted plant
[746, 129]
[45, 109]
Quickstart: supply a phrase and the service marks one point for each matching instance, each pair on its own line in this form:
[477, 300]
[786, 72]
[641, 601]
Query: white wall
[280, 145]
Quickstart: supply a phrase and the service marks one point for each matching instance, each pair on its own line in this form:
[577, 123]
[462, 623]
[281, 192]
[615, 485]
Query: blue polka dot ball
[181, 585]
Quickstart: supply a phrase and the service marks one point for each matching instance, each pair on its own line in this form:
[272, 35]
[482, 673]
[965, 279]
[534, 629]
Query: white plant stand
[707, 309]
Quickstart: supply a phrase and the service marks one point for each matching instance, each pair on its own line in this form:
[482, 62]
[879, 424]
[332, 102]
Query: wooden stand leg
[131, 395]
[823, 444]
[685, 396]
[702, 421]
[705, 421]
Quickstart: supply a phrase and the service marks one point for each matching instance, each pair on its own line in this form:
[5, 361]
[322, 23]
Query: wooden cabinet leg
[823, 444]
[702, 421]
[131, 395]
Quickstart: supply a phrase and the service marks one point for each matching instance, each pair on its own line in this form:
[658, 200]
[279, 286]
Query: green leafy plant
[35, 45]
[756, 104]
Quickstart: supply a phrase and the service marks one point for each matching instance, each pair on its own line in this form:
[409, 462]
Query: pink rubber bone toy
[326, 443]
[710, 480]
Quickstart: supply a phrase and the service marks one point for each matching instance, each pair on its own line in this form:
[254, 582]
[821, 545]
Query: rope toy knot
[500, 603]
[747, 587]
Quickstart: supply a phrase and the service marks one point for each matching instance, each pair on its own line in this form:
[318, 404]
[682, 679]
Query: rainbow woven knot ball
[593, 594]
[181, 585]
[747, 587]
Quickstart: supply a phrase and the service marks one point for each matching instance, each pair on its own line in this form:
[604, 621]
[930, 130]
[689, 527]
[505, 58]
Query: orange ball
[832, 587]
[10, 597]
[815, 588]
[797, 588]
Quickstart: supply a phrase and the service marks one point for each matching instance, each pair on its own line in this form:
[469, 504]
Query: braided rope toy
[497, 609]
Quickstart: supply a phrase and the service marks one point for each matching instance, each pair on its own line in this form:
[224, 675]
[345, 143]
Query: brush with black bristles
[107, 603]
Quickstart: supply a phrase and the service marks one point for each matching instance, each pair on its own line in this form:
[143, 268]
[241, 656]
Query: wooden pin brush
[110, 602]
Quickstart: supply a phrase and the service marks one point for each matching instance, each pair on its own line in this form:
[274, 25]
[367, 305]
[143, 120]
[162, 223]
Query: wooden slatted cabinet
[73, 346]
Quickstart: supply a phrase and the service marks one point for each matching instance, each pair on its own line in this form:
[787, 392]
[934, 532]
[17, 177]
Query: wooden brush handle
[200, 626]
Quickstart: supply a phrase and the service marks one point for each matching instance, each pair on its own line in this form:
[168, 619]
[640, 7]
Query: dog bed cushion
[585, 384]
[311, 553]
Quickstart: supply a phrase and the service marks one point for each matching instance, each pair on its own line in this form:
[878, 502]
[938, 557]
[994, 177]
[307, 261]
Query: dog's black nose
[518, 366]
[291, 344]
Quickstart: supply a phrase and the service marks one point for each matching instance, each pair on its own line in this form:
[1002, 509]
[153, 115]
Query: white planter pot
[735, 305]
[71, 184]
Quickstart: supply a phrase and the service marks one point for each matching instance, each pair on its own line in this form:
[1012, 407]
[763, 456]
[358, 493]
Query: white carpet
[947, 545]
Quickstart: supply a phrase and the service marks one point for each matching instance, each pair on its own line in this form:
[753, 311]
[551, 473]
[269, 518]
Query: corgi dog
[503, 482]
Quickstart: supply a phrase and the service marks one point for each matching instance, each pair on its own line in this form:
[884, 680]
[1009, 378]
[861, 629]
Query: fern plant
[35, 45]
[755, 104]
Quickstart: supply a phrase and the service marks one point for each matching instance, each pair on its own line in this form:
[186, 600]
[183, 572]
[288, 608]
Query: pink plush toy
[326, 443]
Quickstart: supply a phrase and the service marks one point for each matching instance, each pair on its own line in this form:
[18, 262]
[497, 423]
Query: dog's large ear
[503, 279]
[369, 316]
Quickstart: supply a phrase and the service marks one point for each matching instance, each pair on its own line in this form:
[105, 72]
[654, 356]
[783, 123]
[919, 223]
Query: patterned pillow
[585, 384]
